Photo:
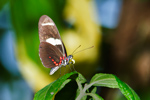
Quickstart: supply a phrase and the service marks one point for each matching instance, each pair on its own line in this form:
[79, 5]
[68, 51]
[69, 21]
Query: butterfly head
[70, 56]
[70, 60]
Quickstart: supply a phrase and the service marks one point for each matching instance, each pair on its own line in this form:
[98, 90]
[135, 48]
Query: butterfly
[52, 51]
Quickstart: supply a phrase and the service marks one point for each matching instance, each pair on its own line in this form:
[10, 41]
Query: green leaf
[68, 92]
[81, 78]
[127, 91]
[64, 83]
[111, 81]
[73, 85]
[48, 92]
[95, 96]
[94, 90]
[80, 81]
[106, 80]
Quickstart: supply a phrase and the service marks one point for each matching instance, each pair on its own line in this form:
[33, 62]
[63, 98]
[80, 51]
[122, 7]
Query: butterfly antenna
[76, 49]
[83, 49]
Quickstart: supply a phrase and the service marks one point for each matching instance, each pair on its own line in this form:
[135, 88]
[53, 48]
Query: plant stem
[82, 90]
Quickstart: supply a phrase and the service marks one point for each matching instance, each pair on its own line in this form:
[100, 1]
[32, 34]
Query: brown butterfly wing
[49, 31]
[49, 54]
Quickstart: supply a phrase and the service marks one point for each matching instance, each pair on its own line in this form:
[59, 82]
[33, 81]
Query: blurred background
[119, 30]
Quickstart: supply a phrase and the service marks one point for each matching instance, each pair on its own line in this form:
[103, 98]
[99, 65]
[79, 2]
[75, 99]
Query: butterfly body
[66, 61]
[52, 51]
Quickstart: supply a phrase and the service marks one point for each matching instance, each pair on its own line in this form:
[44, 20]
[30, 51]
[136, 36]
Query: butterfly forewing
[47, 29]
[48, 32]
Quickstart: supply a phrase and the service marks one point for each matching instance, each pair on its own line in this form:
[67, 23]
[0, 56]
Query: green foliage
[73, 86]
[2, 3]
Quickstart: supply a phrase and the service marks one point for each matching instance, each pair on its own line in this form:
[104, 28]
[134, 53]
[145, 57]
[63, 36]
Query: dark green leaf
[70, 86]
[106, 80]
[81, 78]
[48, 92]
[111, 81]
[94, 90]
[68, 92]
[127, 91]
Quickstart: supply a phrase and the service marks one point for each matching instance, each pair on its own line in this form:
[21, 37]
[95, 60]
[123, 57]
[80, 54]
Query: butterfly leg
[59, 73]
[74, 68]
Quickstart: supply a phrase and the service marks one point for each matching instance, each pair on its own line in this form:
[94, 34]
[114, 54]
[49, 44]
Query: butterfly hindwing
[50, 55]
